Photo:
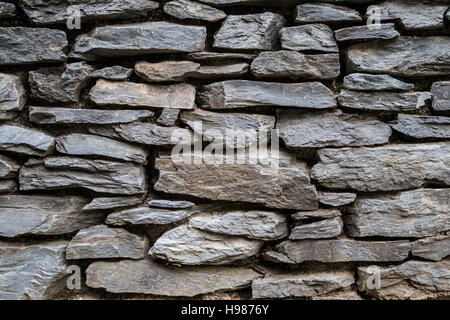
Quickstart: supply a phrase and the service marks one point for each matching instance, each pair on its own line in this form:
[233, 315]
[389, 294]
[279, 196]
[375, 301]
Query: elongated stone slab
[8, 115]
[21, 45]
[220, 71]
[148, 277]
[441, 96]
[224, 3]
[197, 175]
[105, 203]
[386, 31]
[189, 246]
[336, 199]
[43, 215]
[313, 37]
[8, 186]
[328, 228]
[156, 216]
[25, 141]
[418, 213]
[138, 39]
[171, 204]
[295, 65]
[325, 13]
[338, 251]
[8, 167]
[388, 168]
[374, 82]
[33, 272]
[168, 117]
[7, 10]
[244, 93]
[114, 73]
[12, 93]
[316, 214]
[432, 248]
[166, 70]
[423, 127]
[91, 145]
[102, 242]
[414, 280]
[186, 9]
[178, 96]
[220, 56]
[403, 56]
[51, 115]
[329, 129]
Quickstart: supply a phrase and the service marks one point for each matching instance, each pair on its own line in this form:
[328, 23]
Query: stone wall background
[86, 118]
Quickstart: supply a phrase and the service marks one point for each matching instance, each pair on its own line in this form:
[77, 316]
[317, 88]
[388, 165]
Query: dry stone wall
[353, 95]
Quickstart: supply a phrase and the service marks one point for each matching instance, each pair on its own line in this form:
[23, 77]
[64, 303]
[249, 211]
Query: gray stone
[168, 117]
[295, 65]
[403, 56]
[7, 10]
[43, 215]
[386, 31]
[374, 82]
[21, 45]
[101, 176]
[8, 167]
[249, 32]
[8, 115]
[344, 250]
[219, 56]
[244, 93]
[114, 73]
[139, 39]
[12, 93]
[166, 70]
[52, 115]
[441, 96]
[91, 145]
[387, 168]
[323, 229]
[417, 213]
[106, 203]
[315, 37]
[186, 9]
[413, 280]
[223, 3]
[301, 285]
[383, 101]
[422, 127]
[325, 13]
[57, 84]
[234, 130]
[280, 182]
[260, 225]
[189, 246]
[102, 242]
[57, 11]
[25, 141]
[148, 277]
[316, 214]
[330, 129]
[8, 186]
[220, 71]
[33, 272]
[155, 216]
[433, 248]
[171, 204]
[336, 199]
[178, 96]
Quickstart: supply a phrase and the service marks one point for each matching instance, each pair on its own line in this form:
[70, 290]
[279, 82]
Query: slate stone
[219, 56]
[316, 214]
[56, 11]
[249, 32]
[260, 225]
[323, 229]
[220, 71]
[325, 13]
[412, 280]
[53, 115]
[387, 168]
[441, 96]
[244, 93]
[105, 203]
[34, 272]
[178, 96]
[223, 3]
[8, 167]
[295, 65]
[422, 127]
[7, 10]
[336, 199]
[25, 141]
[168, 117]
[8, 186]
[154, 216]
[189, 246]
[165, 71]
[432, 248]
[383, 101]
[8, 115]
[197, 174]
[102, 242]
[114, 73]
[386, 31]
[101, 176]
[417, 213]
[139, 39]
[344, 250]
[314, 37]
[403, 56]
[43, 215]
[21, 45]
[148, 277]
[330, 129]
[91, 145]
[301, 285]
[186, 9]
[12, 93]
[171, 204]
[375, 82]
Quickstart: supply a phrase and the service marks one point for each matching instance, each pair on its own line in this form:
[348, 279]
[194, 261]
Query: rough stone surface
[314, 37]
[336, 199]
[8, 186]
[432, 248]
[186, 9]
[385, 32]
[105, 203]
[166, 70]
[8, 167]
[219, 56]
[101, 242]
[168, 117]
[157, 216]
[221, 71]
[441, 96]
[375, 82]
[328, 228]
[25, 141]
[189, 246]
[417, 213]
[388, 168]
[8, 115]
[12, 93]
[316, 214]
[171, 204]
[325, 13]
[422, 127]
[148, 277]
[7, 10]
[117, 73]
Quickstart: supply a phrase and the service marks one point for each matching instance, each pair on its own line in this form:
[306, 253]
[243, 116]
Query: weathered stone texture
[441, 96]
[118, 73]
[316, 214]
[432, 248]
[325, 13]
[7, 10]
[423, 127]
[385, 32]
[12, 93]
[374, 82]
[8, 167]
[156, 216]
[328, 228]
[336, 199]
[314, 37]
[104, 203]
[25, 141]
[186, 9]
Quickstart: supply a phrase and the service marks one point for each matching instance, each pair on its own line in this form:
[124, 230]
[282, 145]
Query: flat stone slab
[8, 167]
[336, 199]
[209, 56]
[441, 96]
[165, 71]
[310, 37]
[386, 31]
[153, 216]
[114, 73]
[8, 186]
[375, 82]
[170, 204]
[7, 10]
[12, 92]
[25, 141]
[316, 214]
[105, 203]
[423, 127]
[325, 13]
[186, 9]
[323, 229]
[432, 248]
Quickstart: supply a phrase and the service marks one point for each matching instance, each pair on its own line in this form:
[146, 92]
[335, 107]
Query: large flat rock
[325, 13]
[7, 10]
[374, 82]
[12, 92]
[386, 31]
[310, 37]
[336, 199]
[423, 127]
[432, 248]
[25, 141]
